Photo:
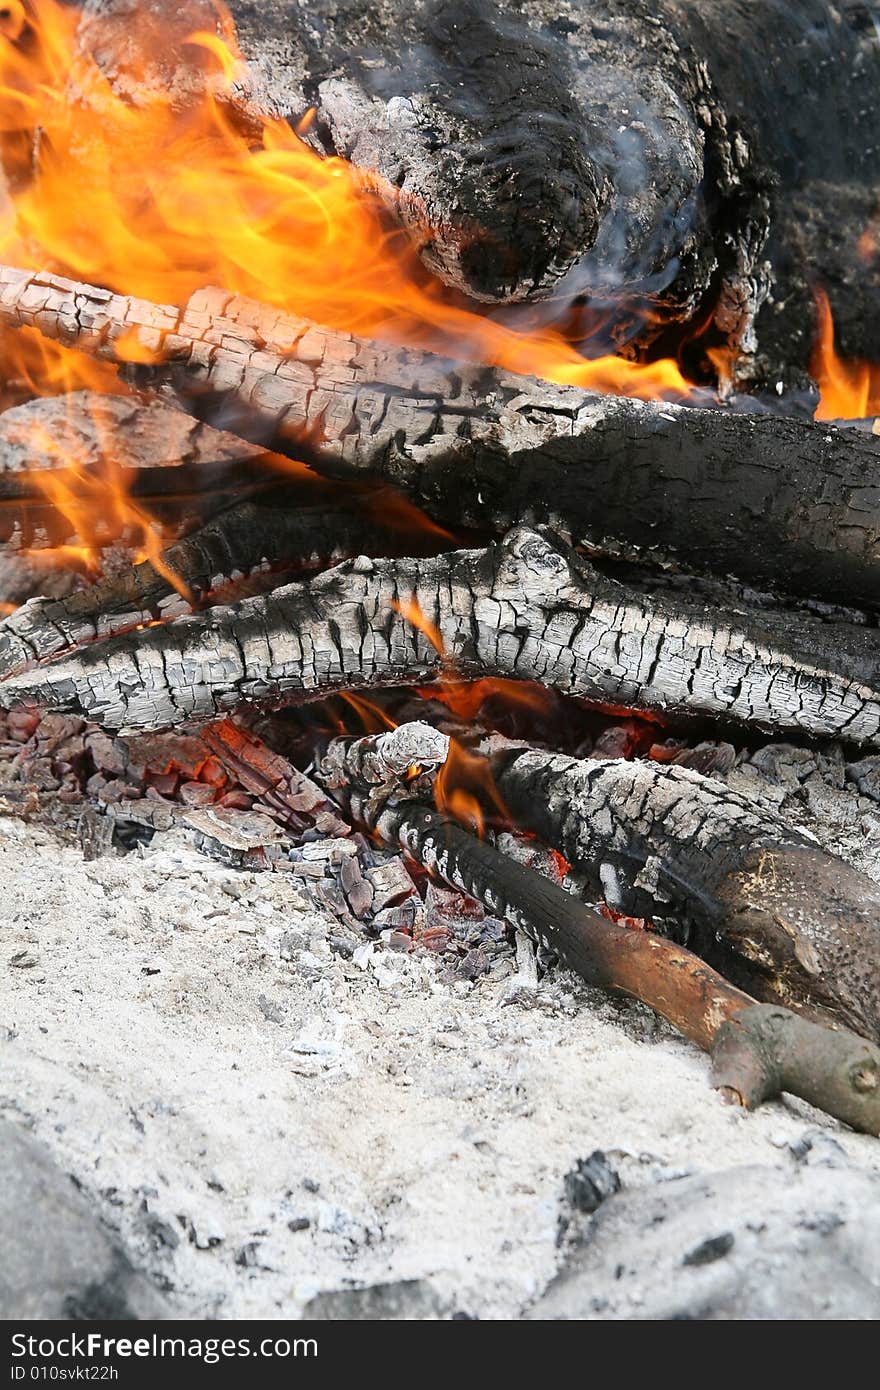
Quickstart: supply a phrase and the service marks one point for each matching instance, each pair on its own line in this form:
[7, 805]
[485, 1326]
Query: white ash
[271, 1105]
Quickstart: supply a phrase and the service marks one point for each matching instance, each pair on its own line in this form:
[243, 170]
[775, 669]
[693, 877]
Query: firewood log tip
[764, 1051]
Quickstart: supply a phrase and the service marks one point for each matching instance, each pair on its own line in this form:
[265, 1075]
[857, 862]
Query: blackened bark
[761, 902]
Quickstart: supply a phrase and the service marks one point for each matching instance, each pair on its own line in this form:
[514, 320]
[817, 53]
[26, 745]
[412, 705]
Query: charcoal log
[792, 505]
[761, 902]
[242, 540]
[526, 608]
[727, 151]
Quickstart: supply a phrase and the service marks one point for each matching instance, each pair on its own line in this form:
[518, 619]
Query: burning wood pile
[459, 615]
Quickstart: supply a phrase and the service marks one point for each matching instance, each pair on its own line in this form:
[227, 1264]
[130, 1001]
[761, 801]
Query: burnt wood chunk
[84, 429]
[725, 152]
[784, 503]
[526, 608]
[761, 902]
[242, 540]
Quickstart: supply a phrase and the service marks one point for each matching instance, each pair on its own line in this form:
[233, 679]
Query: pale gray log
[525, 608]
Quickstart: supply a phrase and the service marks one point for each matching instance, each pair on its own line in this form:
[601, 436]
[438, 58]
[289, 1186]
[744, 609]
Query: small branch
[843, 1077]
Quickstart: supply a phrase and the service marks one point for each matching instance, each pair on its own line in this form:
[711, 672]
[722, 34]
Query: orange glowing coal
[849, 389]
[135, 179]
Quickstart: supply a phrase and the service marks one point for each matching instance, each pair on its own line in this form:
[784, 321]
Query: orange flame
[154, 189]
[409, 609]
[849, 389]
[464, 785]
[466, 698]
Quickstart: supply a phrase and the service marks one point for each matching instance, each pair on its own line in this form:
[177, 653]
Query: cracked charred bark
[787, 504]
[525, 608]
[246, 538]
[757, 1051]
[761, 902]
[673, 152]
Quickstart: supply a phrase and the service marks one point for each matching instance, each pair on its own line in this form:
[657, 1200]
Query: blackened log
[780, 502]
[758, 1053]
[246, 538]
[526, 608]
[761, 902]
[723, 149]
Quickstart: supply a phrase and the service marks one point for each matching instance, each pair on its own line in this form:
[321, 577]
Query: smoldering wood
[780, 502]
[678, 152]
[84, 429]
[246, 538]
[761, 902]
[292, 796]
[525, 608]
[757, 1060]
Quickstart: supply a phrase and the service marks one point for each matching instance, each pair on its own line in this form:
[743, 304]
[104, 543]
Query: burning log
[83, 429]
[609, 150]
[758, 1051]
[525, 608]
[761, 902]
[247, 537]
[777, 501]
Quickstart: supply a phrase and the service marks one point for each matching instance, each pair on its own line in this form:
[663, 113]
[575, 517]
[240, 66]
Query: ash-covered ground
[274, 1115]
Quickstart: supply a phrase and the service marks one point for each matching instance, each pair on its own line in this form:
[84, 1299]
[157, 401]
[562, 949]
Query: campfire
[406, 493]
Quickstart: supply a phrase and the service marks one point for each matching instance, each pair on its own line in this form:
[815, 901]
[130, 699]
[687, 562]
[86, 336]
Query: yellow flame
[126, 184]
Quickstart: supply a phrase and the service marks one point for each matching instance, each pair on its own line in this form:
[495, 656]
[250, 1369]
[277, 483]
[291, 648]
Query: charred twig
[773, 911]
[524, 608]
[247, 537]
[758, 1051]
[774, 500]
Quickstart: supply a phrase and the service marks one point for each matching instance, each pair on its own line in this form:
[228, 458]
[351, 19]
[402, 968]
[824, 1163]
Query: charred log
[759, 1052]
[777, 501]
[761, 902]
[246, 538]
[671, 153]
[526, 608]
